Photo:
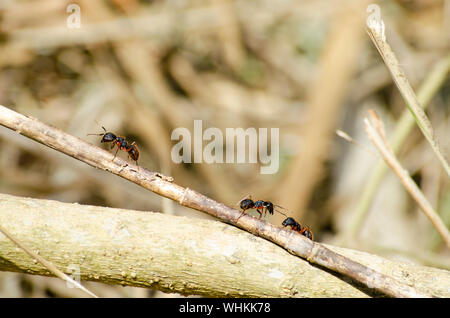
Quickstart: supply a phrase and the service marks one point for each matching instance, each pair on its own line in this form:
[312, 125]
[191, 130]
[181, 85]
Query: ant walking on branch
[261, 206]
[121, 143]
[305, 231]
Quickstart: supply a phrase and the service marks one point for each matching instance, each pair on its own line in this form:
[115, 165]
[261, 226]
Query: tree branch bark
[179, 254]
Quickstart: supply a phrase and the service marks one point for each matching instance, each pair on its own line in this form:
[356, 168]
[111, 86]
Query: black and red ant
[262, 207]
[121, 143]
[305, 231]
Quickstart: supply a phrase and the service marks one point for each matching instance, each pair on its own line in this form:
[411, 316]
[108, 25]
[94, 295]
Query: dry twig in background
[325, 100]
[431, 84]
[376, 134]
[408, 95]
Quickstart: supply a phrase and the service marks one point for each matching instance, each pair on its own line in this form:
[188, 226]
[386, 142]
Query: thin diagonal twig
[347, 137]
[52, 268]
[376, 134]
[426, 91]
[408, 94]
[293, 242]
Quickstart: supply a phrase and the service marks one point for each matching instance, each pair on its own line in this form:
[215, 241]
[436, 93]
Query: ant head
[108, 137]
[246, 204]
[269, 205]
[288, 222]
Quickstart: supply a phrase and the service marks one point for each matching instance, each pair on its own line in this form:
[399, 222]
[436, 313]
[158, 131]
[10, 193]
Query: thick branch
[295, 243]
[178, 254]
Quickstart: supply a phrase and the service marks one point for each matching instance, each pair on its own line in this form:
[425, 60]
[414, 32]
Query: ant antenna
[280, 211]
[279, 206]
[98, 134]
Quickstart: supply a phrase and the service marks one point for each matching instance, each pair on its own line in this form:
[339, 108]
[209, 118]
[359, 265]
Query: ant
[121, 143]
[305, 231]
[262, 207]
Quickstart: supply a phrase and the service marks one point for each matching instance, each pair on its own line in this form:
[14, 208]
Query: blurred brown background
[144, 68]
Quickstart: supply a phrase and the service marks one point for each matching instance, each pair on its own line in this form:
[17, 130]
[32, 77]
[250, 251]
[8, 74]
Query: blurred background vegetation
[307, 67]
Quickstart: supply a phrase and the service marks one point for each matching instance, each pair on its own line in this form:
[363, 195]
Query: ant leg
[137, 165]
[260, 213]
[123, 167]
[243, 212]
[115, 153]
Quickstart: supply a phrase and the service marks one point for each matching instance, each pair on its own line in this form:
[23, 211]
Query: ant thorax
[122, 143]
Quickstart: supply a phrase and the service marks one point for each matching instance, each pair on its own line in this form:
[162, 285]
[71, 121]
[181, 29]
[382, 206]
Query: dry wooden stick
[295, 243]
[52, 268]
[408, 94]
[377, 136]
[431, 84]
